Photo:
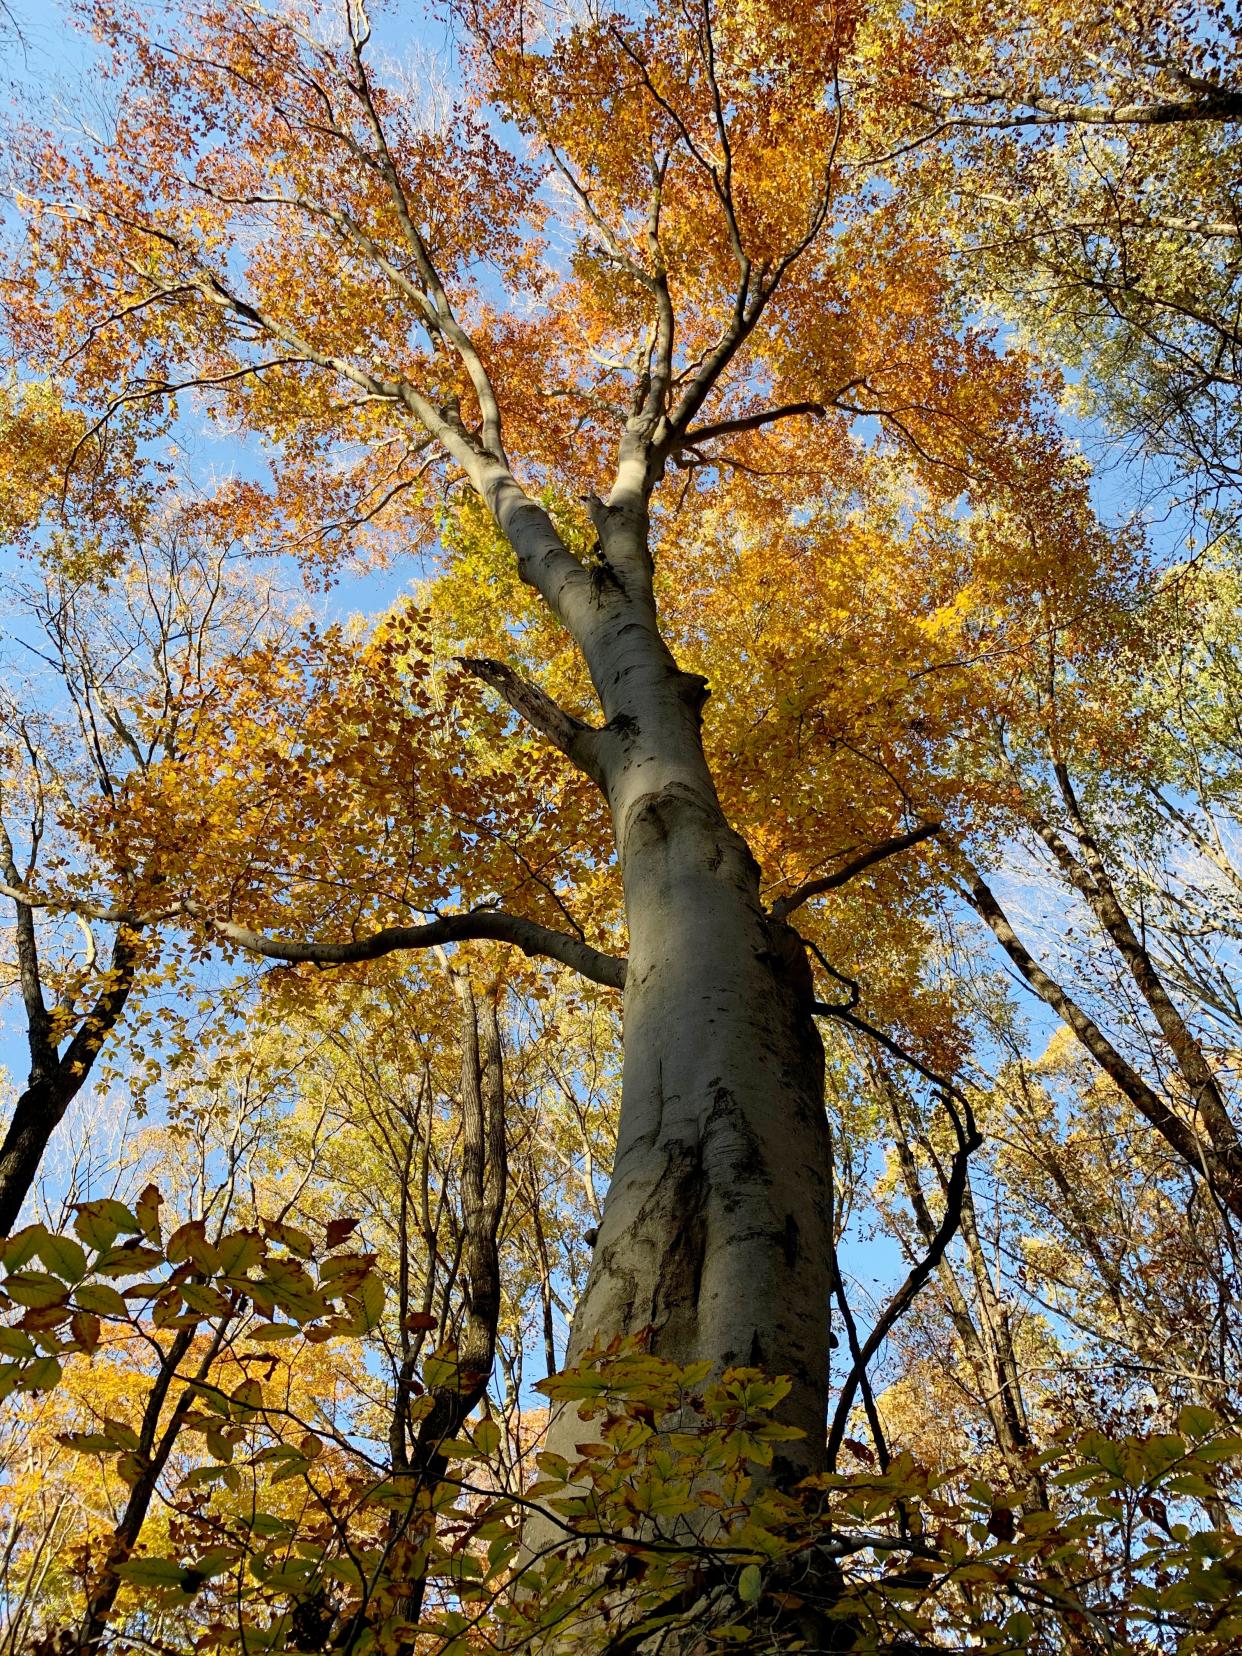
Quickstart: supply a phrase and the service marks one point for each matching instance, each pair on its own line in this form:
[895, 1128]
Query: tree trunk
[484, 1184]
[154, 1448]
[715, 1236]
[36, 1115]
[55, 1078]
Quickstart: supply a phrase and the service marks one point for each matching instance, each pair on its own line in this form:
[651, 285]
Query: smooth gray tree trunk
[716, 1231]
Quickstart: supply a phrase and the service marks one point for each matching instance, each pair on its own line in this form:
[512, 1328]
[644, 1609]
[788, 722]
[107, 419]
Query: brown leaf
[337, 1230]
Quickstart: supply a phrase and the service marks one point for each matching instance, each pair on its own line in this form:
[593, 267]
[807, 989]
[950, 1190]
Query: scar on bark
[677, 1293]
[792, 1241]
[725, 1107]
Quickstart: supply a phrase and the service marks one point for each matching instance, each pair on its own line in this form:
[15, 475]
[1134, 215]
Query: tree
[125, 632]
[715, 1229]
[770, 607]
[1093, 187]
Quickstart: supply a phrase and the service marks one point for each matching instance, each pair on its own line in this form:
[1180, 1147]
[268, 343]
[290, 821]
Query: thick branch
[446, 319]
[544, 561]
[56, 1080]
[576, 740]
[751, 422]
[489, 925]
[1221, 105]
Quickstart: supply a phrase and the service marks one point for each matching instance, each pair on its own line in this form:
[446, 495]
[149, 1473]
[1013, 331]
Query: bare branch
[968, 1141]
[782, 909]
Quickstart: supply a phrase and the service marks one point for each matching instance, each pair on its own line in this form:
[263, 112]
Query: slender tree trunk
[55, 1078]
[154, 1449]
[1090, 878]
[484, 1184]
[545, 1280]
[1197, 1151]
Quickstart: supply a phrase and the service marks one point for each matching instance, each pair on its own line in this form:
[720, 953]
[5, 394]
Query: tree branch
[750, 422]
[479, 925]
[1222, 104]
[484, 925]
[576, 740]
[1195, 1151]
[782, 909]
[968, 1141]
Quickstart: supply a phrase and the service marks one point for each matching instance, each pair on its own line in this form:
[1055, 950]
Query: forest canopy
[621, 828]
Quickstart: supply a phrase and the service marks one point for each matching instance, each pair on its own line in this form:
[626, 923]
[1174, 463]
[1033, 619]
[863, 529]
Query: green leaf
[290, 1468]
[289, 1236]
[219, 1445]
[102, 1299]
[556, 1466]
[41, 1375]
[22, 1246]
[201, 1475]
[208, 1302]
[100, 1223]
[441, 1371]
[238, 1251]
[189, 1241]
[273, 1331]
[487, 1436]
[123, 1434]
[148, 1213]
[750, 1584]
[128, 1261]
[153, 1572]
[88, 1443]
[216, 1562]
[37, 1289]
[1197, 1422]
[247, 1399]
[370, 1298]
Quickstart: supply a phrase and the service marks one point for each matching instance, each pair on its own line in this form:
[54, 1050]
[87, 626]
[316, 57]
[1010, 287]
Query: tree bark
[55, 1078]
[715, 1235]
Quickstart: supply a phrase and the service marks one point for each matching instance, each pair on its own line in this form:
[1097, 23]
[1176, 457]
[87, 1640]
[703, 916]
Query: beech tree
[715, 1232]
[743, 303]
[764, 611]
